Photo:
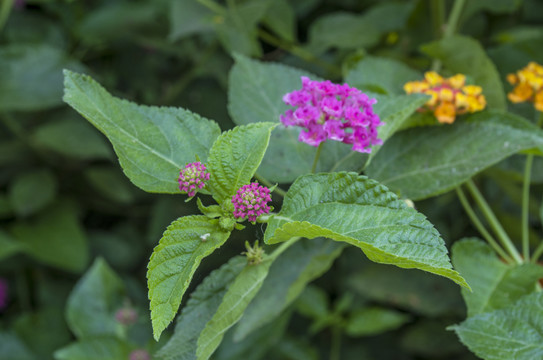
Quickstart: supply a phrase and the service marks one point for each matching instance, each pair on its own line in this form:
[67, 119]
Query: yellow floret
[445, 112]
[457, 81]
[433, 78]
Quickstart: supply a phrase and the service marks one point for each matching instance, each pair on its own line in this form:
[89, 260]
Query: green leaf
[513, 332]
[313, 303]
[153, 144]
[461, 54]
[32, 191]
[201, 307]
[288, 276]
[494, 283]
[394, 111]
[378, 73]
[173, 263]
[105, 348]
[354, 209]
[111, 183]
[235, 301]
[346, 30]
[189, 17]
[91, 307]
[414, 291]
[374, 320]
[255, 94]
[280, 18]
[43, 330]
[32, 76]
[237, 27]
[257, 345]
[73, 138]
[8, 246]
[234, 158]
[55, 238]
[424, 162]
[11, 347]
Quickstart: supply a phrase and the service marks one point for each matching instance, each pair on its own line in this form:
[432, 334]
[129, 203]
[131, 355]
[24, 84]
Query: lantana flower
[449, 96]
[251, 201]
[325, 110]
[192, 178]
[528, 83]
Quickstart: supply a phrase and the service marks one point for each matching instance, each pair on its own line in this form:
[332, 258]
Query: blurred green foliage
[76, 235]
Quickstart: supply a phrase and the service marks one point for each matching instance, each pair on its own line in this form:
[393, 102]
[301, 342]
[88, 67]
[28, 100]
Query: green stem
[454, 16]
[479, 225]
[298, 51]
[284, 246]
[537, 253]
[437, 9]
[525, 206]
[335, 349]
[266, 182]
[316, 160]
[493, 221]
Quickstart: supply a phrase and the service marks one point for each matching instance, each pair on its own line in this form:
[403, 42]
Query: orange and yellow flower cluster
[450, 96]
[528, 83]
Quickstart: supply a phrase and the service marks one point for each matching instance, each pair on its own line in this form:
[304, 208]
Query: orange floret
[528, 83]
[449, 96]
[445, 112]
[521, 93]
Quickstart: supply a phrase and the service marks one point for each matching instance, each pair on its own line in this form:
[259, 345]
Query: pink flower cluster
[251, 201]
[126, 316]
[331, 111]
[192, 178]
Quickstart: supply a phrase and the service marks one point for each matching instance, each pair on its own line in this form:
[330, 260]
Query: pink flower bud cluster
[331, 111]
[126, 316]
[139, 355]
[251, 201]
[192, 178]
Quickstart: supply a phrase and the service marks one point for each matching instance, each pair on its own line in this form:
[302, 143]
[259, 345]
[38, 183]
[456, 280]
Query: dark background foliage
[64, 200]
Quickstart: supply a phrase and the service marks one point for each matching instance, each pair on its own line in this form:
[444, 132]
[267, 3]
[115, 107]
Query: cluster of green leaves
[283, 307]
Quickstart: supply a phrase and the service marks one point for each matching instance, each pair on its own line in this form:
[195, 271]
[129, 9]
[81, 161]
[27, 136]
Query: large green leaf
[103, 348]
[91, 307]
[32, 76]
[287, 278]
[174, 260]
[255, 94]
[200, 308]
[423, 162]
[354, 209]
[461, 54]
[379, 74]
[494, 283]
[55, 237]
[239, 294]
[513, 332]
[152, 143]
[234, 158]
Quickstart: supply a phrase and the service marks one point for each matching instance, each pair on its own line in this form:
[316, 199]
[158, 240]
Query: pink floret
[251, 201]
[192, 178]
[325, 110]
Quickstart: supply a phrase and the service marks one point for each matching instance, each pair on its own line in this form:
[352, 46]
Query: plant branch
[480, 227]
[316, 160]
[493, 221]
